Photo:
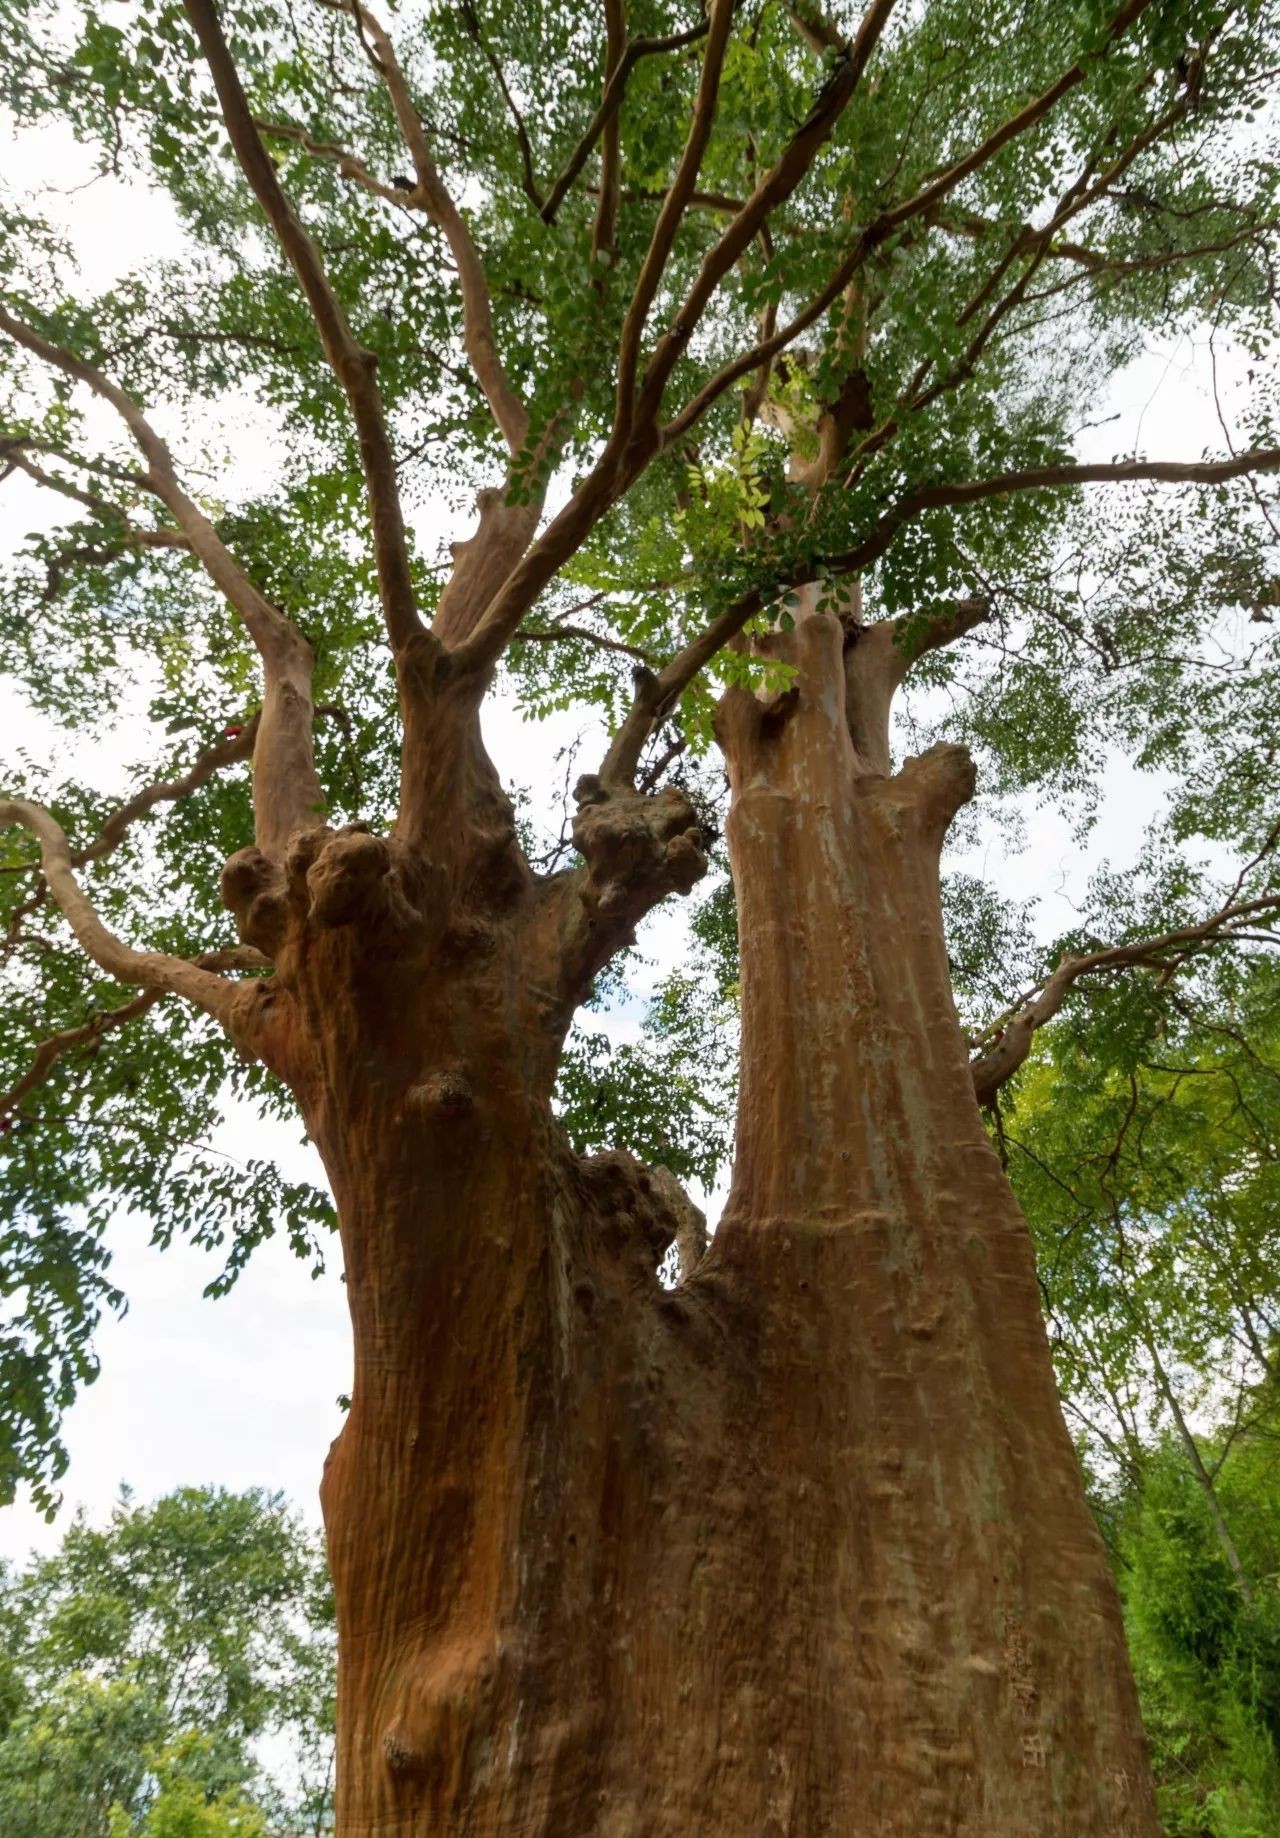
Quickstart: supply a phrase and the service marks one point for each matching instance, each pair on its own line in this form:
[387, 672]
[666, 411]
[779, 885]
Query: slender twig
[472, 23]
[881, 228]
[558, 633]
[348, 165]
[236, 745]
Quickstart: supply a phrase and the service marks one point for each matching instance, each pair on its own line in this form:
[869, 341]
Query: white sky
[242, 1391]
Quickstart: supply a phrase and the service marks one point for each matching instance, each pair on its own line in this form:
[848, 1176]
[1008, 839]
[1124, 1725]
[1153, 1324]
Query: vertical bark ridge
[968, 1656]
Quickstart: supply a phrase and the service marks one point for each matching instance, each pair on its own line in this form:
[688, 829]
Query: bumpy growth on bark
[798, 1545]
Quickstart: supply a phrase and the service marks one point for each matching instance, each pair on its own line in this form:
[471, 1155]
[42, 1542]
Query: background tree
[1205, 1649]
[146, 1664]
[766, 339]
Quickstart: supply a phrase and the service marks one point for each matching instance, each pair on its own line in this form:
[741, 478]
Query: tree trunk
[797, 1548]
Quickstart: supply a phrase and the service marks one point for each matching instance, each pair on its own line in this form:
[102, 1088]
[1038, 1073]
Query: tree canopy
[148, 1661]
[699, 305]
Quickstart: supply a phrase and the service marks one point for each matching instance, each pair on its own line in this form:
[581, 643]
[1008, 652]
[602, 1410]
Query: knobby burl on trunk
[797, 1547]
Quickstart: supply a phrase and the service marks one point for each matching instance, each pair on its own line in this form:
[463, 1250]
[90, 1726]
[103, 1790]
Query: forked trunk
[799, 1548]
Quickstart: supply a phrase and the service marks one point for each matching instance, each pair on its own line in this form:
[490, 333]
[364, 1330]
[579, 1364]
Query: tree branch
[153, 970]
[559, 633]
[430, 195]
[353, 366]
[1040, 478]
[16, 459]
[237, 744]
[719, 23]
[1011, 1035]
[914, 636]
[657, 694]
[1009, 130]
[817, 31]
[109, 1021]
[349, 167]
[610, 103]
[603, 229]
[879, 230]
[286, 787]
[774, 189]
[472, 23]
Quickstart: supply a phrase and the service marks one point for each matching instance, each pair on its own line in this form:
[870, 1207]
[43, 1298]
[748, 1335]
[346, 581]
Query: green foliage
[1144, 1147]
[182, 1806]
[1207, 1661]
[145, 1660]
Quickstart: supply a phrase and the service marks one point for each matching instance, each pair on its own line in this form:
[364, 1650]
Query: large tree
[765, 339]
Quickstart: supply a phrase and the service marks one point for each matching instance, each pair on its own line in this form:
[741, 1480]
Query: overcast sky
[242, 1391]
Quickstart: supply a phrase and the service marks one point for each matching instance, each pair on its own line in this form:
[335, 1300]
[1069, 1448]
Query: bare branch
[817, 31]
[914, 636]
[602, 230]
[559, 633]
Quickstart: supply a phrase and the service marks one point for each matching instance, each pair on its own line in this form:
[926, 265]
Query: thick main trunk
[797, 1549]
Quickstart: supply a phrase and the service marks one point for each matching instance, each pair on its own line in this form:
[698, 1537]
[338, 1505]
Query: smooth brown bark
[797, 1548]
